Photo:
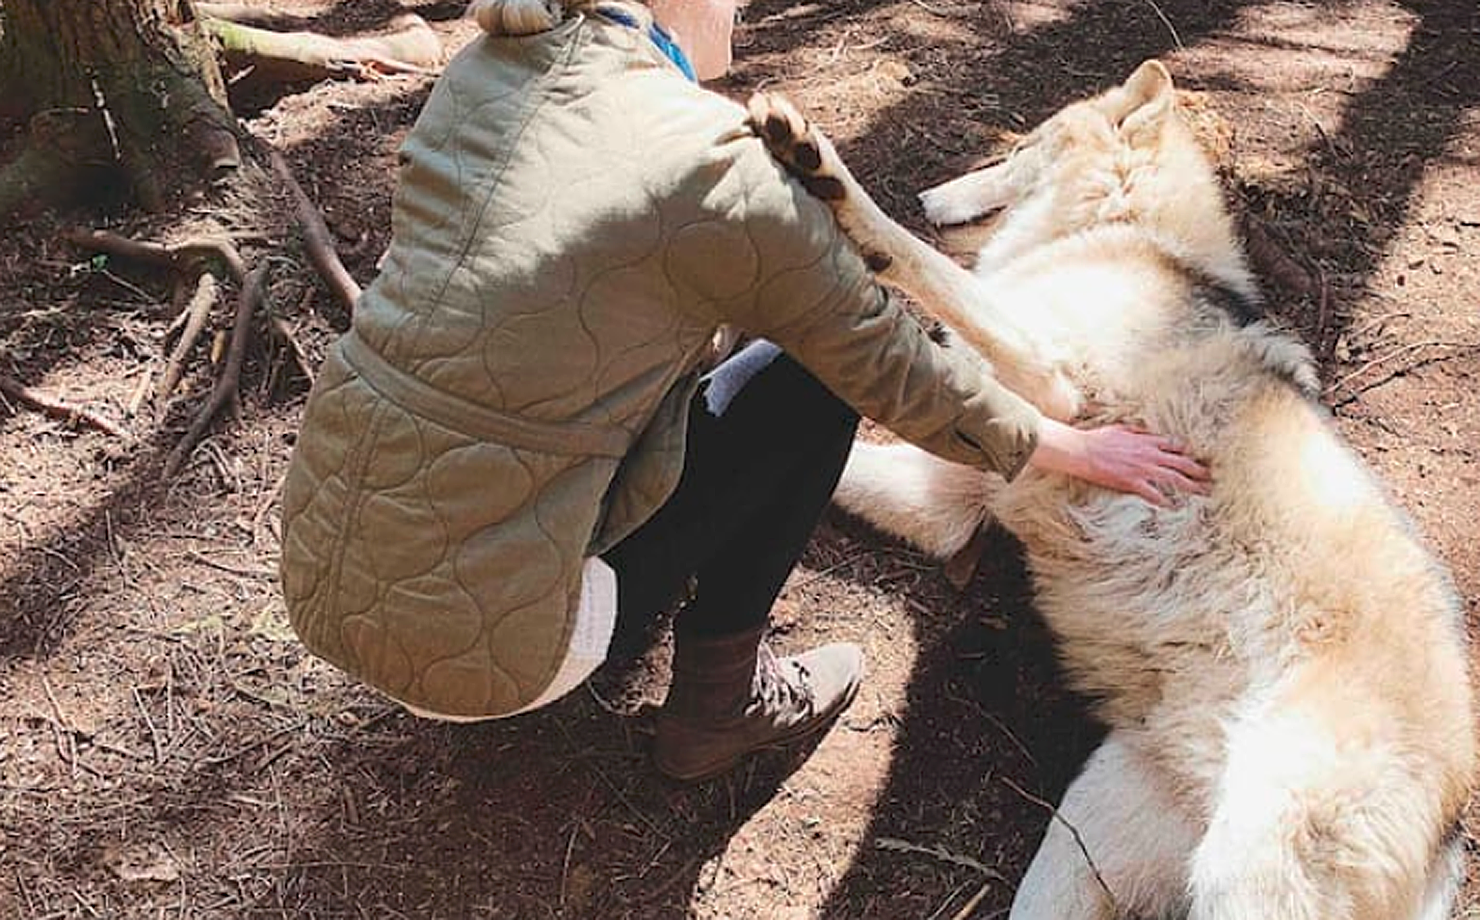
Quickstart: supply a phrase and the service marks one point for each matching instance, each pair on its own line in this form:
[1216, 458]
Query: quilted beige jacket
[573, 221]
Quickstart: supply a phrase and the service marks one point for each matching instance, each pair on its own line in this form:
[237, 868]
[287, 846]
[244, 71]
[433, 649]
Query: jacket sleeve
[770, 259]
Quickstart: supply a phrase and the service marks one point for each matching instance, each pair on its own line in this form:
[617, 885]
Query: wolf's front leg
[1136, 842]
[946, 290]
[968, 197]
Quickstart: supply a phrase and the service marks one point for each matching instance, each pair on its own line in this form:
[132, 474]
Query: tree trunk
[131, 85]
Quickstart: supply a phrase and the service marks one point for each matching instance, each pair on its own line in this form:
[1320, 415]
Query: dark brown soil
[168, 750]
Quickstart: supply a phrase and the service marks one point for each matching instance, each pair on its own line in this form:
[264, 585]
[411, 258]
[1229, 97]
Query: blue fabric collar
[659, 36]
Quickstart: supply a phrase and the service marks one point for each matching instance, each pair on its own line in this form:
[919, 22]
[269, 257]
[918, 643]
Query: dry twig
[1356, 392]
[61, 731]
[1058, 816]
[1160, 14]
[975, 902]
[56, 408]
[938, 852]
[280, 330]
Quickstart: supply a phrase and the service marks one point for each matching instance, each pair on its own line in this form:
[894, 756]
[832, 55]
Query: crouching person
[522, 437]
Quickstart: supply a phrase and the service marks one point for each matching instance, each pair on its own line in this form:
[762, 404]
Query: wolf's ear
[1145, 100]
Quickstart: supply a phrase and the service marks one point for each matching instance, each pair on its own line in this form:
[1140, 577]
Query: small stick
[940, 853]
[1324, 339]
[196, 314]
[136, 400]
[974, 903]
[253, 291]
[997, 721]
[56, 408]
[565, 866]
[930, 9]
[1177, 39]
[317, 239]
[1072, 830]
[149, 723]
[280, 329]
[210, 563]
[1397, 353]
[266, 505]
[67, 749]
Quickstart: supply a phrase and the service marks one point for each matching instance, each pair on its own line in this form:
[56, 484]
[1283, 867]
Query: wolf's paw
[943, 208]
[791, 139]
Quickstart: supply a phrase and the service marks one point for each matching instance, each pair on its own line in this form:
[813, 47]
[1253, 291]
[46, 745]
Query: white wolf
[1281, 663]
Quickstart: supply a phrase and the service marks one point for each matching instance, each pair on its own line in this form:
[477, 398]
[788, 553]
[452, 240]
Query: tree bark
[134, 84]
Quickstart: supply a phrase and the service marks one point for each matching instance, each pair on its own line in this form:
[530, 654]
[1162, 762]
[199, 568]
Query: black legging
[766, 445]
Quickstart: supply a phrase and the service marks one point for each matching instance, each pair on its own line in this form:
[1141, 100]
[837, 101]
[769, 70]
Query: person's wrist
[1059, 449]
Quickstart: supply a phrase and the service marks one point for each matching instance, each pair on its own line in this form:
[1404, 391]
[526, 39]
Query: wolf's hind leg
[1136, 838]
[903, 491]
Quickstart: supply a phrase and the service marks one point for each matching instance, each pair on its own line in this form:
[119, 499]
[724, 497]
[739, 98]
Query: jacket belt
[473, 420]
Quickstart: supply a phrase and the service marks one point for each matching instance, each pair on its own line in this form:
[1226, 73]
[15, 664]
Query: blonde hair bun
[518, 17]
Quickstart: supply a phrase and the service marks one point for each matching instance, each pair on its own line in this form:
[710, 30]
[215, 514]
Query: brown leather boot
[731, 696]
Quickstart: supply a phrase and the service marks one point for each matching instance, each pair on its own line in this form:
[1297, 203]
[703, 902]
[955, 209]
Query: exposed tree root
[196, 313]
[196, 257]
[245, 15]
[195, 260]
[296, 57]
[56, 408]
[317, 239]
[182, 257]
[227, 389]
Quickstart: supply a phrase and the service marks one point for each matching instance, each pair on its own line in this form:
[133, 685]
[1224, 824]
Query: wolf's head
[1122, 157]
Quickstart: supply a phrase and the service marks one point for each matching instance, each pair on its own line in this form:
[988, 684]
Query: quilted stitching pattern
[573, 220]
[434, 565]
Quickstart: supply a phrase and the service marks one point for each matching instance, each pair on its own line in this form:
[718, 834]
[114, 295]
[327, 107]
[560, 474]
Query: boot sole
[720, 769]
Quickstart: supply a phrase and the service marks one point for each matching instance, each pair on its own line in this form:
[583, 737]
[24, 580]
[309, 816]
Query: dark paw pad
[825, 187]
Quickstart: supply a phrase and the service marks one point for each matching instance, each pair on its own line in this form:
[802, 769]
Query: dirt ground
[168, 750]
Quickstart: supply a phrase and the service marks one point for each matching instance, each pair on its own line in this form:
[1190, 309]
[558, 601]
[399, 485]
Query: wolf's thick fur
[1281, 663]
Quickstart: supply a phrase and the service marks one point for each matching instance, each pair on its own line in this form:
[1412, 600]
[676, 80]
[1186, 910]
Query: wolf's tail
[1310, 825]
[903, 491]
[1445, 875]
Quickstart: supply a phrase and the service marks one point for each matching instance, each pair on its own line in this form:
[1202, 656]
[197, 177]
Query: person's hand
[1121, 458]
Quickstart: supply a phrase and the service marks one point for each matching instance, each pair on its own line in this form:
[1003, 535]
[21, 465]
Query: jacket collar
[659, 36]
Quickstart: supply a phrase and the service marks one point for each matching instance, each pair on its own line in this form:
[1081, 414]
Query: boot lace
[781, 684]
